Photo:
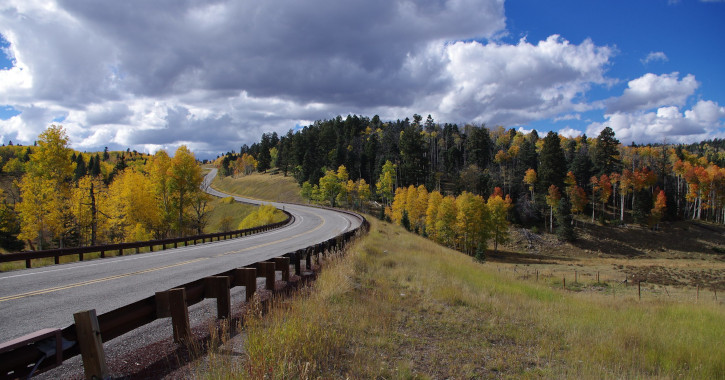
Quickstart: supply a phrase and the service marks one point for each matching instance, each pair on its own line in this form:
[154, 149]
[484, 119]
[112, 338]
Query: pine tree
[552, 163]
[565, 228]
[606, 153]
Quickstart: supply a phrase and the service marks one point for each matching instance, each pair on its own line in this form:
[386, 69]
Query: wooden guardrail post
[266, 269]
[246, 277]
[308, 259]
[91, 345]
[179, 315]
[297, 260]
[218, 287]
[282, 264]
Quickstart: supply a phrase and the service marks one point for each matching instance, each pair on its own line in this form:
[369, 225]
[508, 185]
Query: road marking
[90, 282]
[277, 241]
[109, 278]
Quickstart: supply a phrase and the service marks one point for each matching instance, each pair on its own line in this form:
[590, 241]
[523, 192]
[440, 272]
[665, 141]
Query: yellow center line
[276, 241]
[90, 282]
[109, 278]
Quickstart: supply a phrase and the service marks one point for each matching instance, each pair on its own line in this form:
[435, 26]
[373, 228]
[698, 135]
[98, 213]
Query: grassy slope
[400, 306]
[261, 186]
[224, 212]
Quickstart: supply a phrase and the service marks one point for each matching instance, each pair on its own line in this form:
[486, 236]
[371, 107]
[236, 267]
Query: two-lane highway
[47, 297]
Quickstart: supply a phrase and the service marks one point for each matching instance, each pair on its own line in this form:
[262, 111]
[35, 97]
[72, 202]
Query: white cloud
[570, 132]
[219, 73]
[702, 121]
[654, 56]
[514, 84]
[651, 91]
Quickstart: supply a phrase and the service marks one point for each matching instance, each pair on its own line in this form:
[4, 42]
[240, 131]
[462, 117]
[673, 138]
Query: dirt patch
[685, 253]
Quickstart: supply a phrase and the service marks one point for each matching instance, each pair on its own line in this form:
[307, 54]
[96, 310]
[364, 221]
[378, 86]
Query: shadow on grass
[510, 257]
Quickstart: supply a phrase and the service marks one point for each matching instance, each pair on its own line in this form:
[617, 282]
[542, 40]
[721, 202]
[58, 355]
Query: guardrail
[25, 356]
[119, 248]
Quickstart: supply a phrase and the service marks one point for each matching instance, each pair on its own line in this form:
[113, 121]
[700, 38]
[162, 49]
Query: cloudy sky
[216, 74]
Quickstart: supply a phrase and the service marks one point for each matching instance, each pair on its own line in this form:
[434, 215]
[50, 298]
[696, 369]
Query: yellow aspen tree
[399, 205]
[158, 169]
[530, 179]
[410, 203]
[431, 214]
[498, 208]
[330, 187]
[351, 195]
[446, 222]
[386, 182]
[470, 221]
[342, 178]
[363, 191]
[45, 190]
[185, 179]
[421, 207]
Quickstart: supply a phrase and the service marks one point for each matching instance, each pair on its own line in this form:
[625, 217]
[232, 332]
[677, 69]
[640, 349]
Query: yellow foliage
[265, 214]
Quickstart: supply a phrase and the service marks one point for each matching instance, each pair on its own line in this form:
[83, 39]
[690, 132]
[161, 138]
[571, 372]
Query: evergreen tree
[552, 163]
[479, 147]
[642, 206]
[80, 170]
[405, 220]
[95, 168]
[565, 229]
[606, 153]
[264, 158]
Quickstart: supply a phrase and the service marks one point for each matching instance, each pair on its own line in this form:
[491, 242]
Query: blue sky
[216, 74]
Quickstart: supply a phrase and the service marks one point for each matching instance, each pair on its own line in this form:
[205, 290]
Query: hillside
[399, 306]
[271, 187]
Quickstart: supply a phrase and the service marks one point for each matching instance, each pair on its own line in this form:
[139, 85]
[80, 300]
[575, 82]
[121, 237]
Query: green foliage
[564, 228]
[552, 167]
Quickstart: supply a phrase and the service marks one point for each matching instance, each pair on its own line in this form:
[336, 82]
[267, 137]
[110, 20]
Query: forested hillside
[53, 196]
[540, 180]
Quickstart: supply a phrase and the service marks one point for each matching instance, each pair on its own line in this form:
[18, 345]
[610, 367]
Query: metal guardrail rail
[81, 251]
[22, 360]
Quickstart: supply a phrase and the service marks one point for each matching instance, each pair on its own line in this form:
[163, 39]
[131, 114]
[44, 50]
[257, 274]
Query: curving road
[47, 297]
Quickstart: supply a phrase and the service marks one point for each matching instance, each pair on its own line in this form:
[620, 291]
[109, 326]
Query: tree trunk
[94, 216]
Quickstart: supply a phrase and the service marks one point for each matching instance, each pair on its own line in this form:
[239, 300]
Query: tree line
[547, 178]
[64, 198]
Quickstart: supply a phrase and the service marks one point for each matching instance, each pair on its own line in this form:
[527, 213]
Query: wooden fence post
[89, 339]
[639, 290]
[218, 287]
[282, 264]
[179, 315]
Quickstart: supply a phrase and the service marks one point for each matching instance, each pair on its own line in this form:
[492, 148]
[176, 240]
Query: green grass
[261, 186]
[399, 306]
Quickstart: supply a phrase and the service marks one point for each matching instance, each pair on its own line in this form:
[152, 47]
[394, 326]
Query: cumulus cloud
[514, 84]
[654, 56]
[216, 74]
[651, 91]
[570, 132]
[135, 70]
[704, 120]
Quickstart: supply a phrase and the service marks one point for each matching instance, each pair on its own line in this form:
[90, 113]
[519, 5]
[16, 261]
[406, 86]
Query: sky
[214, 75]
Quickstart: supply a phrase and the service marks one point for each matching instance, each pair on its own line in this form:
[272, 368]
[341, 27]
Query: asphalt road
[47, 297]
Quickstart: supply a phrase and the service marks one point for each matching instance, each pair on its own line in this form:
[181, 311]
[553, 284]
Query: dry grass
[399, 306]
[269, 187]
[225, 215]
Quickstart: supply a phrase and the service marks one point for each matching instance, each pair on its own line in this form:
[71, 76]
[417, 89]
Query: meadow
[396, 305]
